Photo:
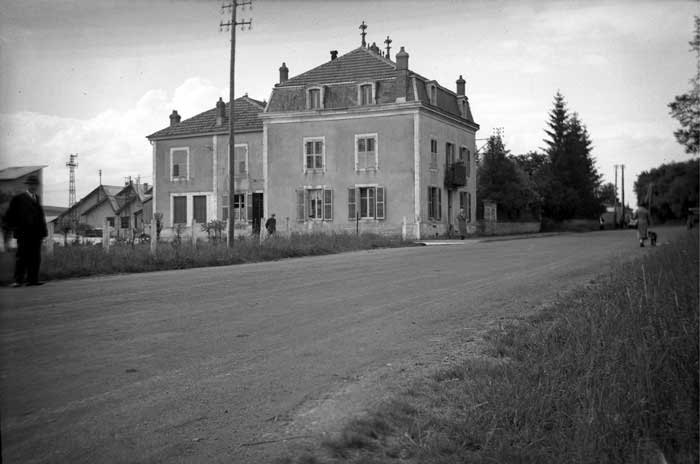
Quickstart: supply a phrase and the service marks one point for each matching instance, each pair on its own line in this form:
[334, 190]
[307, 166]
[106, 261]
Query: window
[465, 203]
[449, 153]
[314, 98]
[433, 154]
[434, 203]
[366, 202]
[465, 156]
[199, 209]
[224, 208]
[314, 204]
[180, 210]
[366, 157]
[110, 221]
[124, 222]
[240, 160]
[179, 164]
[432, 94]
[314, 154]
[366, 96]
[239, 209]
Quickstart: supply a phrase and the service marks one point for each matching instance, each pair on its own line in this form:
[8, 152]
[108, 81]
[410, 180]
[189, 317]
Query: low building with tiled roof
[363, 142]
[191, 167]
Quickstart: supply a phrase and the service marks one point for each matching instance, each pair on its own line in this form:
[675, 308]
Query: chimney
[460, 85]
[284, 73]
[334, 54]
[174, 118]
[220, 112]
[401, 75]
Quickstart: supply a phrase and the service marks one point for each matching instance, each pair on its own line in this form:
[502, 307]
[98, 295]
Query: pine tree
[686, 108]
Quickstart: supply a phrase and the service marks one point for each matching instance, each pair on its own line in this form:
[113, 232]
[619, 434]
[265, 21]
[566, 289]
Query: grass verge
[88, 260]
[607, 375]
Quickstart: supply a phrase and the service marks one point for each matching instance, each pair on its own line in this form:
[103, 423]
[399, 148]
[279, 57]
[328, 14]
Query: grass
[608, 374]
[89, 260]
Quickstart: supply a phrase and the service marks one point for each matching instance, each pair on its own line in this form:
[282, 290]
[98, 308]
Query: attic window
[463, 108]
[432, 94]
[365, 93]
[314, 98]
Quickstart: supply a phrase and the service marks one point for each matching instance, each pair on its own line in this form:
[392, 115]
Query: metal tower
[72, 164]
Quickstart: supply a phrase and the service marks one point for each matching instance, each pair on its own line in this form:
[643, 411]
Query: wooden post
[154, 236]
[105, 235]
[49, 239]
[194, 235]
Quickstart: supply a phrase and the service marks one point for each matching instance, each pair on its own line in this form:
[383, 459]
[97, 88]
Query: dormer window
[314, 98]
[366, 93]
[463, 107]
[432, 93]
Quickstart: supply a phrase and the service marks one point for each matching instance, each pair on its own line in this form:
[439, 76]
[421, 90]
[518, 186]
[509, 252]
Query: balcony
[455, 175]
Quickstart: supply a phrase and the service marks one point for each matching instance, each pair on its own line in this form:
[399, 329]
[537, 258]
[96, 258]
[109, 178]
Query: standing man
[462, 223]
[271, 225]
[643, 221]
[25, 217]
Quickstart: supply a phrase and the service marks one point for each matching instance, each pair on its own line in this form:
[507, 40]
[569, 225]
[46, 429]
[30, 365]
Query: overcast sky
[94, 77]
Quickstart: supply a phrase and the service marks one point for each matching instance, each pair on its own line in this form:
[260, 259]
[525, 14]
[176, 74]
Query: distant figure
[25, 218]
[271, 225]
[462, 223]
[602, 223]
[643, 221]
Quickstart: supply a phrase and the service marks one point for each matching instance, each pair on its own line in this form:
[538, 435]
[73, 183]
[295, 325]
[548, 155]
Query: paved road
[203, 365]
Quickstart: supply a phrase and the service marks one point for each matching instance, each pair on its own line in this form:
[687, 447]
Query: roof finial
[363, 26]
[388, 47]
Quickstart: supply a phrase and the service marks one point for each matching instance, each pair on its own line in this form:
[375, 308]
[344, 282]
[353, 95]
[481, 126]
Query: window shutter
[352, 202]
[381, 201]
[328, 205]
[430, 203]
[469, 206]
[439, 204]
[300, 205]
[176, 170]
[248, 207]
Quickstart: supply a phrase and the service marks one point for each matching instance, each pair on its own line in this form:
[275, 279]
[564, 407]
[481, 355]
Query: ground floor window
[366, 202]
[434, 203]
[465, 203]
[110, 221]
[180, 210]
[124, 222]
[314, 204]
[199, 209]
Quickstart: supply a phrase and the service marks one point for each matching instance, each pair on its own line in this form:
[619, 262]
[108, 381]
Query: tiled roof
[247, 110]
[15, 172]
[353, 66]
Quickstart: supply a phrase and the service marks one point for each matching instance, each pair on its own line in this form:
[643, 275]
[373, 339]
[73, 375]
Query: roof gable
[246, 119]
[16, 172]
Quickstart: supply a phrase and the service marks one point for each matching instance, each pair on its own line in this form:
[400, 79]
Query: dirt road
[220, 364]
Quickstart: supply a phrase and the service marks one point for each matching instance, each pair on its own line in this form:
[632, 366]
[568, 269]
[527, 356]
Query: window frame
[375, 137]
[172, 217]
[434, 154]
[355, 202]
[434, 203]
[237, 173]
[306, 140]
[468, 160]
[372, 96]
[303, 203]
[195, 210]
[179, 177]
[432, 90]
[321, 97]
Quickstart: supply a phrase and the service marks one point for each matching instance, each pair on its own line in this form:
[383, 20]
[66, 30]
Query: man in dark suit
[25, 217]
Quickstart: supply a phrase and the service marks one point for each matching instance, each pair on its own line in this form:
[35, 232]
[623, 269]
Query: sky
[95, 77]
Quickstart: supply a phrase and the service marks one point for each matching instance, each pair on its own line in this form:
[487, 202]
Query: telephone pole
[615, 202]
[231, 25]
[623, 194]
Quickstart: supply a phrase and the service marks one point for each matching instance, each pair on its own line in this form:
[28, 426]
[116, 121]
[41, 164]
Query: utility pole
[623, 193]
[231, 25]
[615, 200]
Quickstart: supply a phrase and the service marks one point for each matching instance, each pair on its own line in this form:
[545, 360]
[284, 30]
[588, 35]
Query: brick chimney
[334, 54]
[460, 85]
[174, 118]
[284, 73]
[220, 112]
[401, 75]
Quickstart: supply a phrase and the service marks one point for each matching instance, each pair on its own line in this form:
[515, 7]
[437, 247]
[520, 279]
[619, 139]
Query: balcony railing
[455, 175]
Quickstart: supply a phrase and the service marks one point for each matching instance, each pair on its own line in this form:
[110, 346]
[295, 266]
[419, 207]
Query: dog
[652, 237]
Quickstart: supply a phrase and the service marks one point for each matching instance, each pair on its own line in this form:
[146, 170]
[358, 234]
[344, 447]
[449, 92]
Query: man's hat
[32, 180]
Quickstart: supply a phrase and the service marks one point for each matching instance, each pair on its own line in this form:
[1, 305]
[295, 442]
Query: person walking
[271, 225]
[462, 223]
[25, 217]
[643, 221]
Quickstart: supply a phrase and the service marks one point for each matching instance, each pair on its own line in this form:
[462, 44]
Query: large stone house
[191, 168]
[362, 142]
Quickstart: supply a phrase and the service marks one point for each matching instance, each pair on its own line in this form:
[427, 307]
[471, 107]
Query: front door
[258, 211]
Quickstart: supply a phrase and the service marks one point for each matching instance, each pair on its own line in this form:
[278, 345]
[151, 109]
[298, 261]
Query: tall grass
[88, 260]
[607, 375]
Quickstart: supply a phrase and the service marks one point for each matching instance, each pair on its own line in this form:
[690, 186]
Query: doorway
[258, 211]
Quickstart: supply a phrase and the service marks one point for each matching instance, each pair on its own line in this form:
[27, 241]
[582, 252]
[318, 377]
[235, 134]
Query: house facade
[361, 142]
[92, 209]
[191, 169]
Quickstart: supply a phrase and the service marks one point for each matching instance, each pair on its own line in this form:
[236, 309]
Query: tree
[607, 194]
[674, 188]
[572, 180]
[501, 180]
[686, 108]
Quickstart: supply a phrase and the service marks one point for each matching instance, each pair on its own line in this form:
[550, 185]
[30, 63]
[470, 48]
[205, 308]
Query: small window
[449, 153]
[199, 209]
[432, 94]
[433, 154]
[179, 164]
[180, 210]
[240, 160]
[124, 222]
[110, 221]
[239, 207]
[465, 157]
[434, 203]
[314, 99]
[366, 94]
[314, 154]
[366, 157]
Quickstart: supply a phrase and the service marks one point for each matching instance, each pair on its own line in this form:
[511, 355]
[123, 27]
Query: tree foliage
[607, 194]
[570, 190]
[686, 108]
[501, 180]
[674, 188]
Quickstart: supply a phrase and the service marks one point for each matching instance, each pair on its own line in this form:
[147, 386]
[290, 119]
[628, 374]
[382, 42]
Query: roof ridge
[377, 56]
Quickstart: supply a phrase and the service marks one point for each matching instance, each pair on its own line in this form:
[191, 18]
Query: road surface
[220, 364]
